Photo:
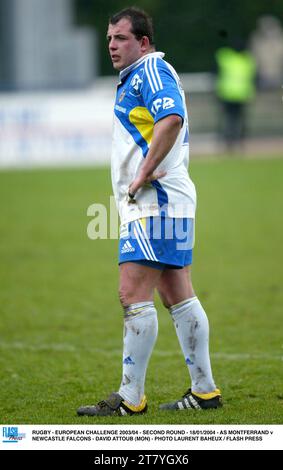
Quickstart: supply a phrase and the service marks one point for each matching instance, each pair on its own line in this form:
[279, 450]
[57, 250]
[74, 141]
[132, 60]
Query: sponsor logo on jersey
[137, 83]
[164, 103]
[120, 108]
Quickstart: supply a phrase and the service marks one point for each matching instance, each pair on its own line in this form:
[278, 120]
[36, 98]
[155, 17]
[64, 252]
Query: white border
[140, 437]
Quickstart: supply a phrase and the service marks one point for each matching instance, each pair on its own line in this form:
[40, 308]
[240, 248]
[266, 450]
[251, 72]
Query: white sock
[140, 333]
[192, 329]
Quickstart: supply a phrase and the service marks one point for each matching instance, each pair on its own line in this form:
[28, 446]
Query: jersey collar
[138, 62]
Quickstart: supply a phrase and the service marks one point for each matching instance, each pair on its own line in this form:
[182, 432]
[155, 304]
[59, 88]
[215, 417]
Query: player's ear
[145, 45]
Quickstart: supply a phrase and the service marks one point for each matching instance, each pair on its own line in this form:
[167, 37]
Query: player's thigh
[137, 283]
[175, 285]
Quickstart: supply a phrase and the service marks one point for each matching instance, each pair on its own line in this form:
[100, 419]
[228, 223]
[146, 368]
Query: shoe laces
[102, 404]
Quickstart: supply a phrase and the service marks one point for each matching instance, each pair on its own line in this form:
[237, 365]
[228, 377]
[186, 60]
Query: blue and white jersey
[149, 90]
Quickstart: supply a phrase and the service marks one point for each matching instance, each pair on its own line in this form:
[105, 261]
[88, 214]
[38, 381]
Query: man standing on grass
[156, 201]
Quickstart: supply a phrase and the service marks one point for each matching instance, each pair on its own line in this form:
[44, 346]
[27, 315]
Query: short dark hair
[140, 20]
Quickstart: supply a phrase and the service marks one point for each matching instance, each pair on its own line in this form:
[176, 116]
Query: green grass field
[61, 323]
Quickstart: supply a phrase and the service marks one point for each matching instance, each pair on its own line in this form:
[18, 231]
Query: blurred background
[57, 83]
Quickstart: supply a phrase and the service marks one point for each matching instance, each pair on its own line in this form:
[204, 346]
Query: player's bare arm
[165, 134]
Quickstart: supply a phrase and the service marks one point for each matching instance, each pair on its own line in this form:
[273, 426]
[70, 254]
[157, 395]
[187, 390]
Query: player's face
[124, 47]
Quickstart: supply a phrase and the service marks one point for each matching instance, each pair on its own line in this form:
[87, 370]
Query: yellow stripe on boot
[208, 396]
[137, 408]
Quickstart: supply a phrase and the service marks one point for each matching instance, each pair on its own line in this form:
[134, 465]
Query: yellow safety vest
[236, 74]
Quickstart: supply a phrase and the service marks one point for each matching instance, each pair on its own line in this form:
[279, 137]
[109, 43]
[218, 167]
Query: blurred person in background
[266, 44]
[153, 191]
[235, 87]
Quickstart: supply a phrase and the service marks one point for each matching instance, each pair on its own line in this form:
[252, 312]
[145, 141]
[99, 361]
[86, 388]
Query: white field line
[65, 347]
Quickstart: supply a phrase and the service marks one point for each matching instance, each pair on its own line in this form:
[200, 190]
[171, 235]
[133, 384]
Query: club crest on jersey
[137, 83]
